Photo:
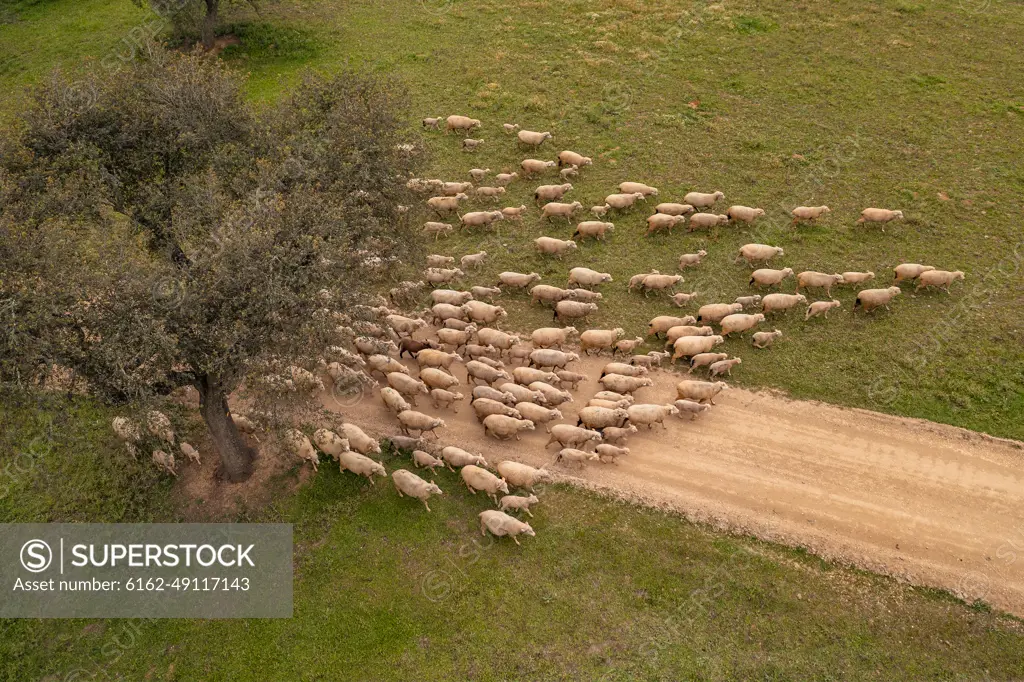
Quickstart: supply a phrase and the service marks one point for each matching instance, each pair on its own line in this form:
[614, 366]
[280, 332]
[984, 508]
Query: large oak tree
[157, 230]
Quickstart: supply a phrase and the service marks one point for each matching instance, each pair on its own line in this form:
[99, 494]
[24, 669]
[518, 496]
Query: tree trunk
[210, 20]
[236, 457]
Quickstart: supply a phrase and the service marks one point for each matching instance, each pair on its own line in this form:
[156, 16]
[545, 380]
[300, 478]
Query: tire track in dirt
[929, 503]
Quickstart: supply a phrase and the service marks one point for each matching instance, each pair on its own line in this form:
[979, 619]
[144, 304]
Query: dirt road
[929, 503]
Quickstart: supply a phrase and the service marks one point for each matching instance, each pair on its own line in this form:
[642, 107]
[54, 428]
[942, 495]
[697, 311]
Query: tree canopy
[157, 230]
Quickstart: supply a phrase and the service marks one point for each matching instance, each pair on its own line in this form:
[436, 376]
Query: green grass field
[850, 103]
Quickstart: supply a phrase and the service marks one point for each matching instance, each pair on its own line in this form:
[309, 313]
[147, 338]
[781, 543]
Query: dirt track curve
[929, 503]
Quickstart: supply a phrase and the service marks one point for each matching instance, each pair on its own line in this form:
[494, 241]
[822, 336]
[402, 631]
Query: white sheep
[723, 366]
[938, 278]
[820, 308]
[857, 277]
[638, 187]
[682, 299]
[688, 346]
[624, 384]
[451, 189]
[593, 228]
[456, 122]
[879, 215]
[501, 427]
[518, 279]
[510, 127]
[522, 475]
[569, 172]
[494, 193]
[909, 271]
[650, 415]
[411, 420]
[705, 359]
[478, 174]
[538, 414]
[567, 435]
[622, 201]
[618, 436]
[438, 261]
[505, 179]
[552, 396]
[165, 461]
[714, 312]
[674, 209]
[810, 279]
[444, 398]
[477, 478]
[298, 444]
[691, 408]
[705, 221]
[445, 205]
[424, 459]
[869, 299]
[774, 302]
[471, 145]
[551, 192]
[560, 210]
[485, 313]
[587, 278]
[480, 218]
[437, 229]
[552, 337]
[627, 346]
[600, 340]
[570, 158]
[360, 465]
[330, 443]
[513, 212]
[739, 322]
[191, 453]
[393, 400]
[765, 339]
[408, 483]
[808, 213]
[517, 503]
[531, 166]
[702, 200]
[767, 277]
[473, 260]
[533, 139]
[753, 253]
[608, 452]
[744, 214]
[659, 282]
[663, 221]
[688, 260]
[554, 247]
[434, 123]
[409, 387]
[501, 524]
[700, 391]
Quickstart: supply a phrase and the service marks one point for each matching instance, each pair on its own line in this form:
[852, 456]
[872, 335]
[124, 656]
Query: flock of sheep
[515, 384]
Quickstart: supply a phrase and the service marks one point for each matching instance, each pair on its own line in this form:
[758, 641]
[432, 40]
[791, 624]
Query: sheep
[773, 302]
[243, 423]
[608, 452]
[522, 475]
[298, 444]
[567, 435]
[638, 280]
[705, 221]
[809, 278]
[723, 366]
[545, 357]
[681, 299]
[533, 139]
[494, 394]
[393, 400]
[538, 414]
[753, 253]
[480, 218]
[570, 379]
[477, 478]
[457, 457]
[808, 213]
[531, 166]
[360, 465]
[385, 365]
[748, 301]
[517, 503]
[445, 311]
[501, 524]
[510, 127]
[408, 483]
[585, 277]
[445, 205]
[478, 352]
[622, 201]
[593, 228]
[543, 293]
[130, 432]
[434, 123]
[473, 260]
[714, 312]
[519, 352]
[358, 440]
[627, 346]
[938, 278]
[691, 408]
[909, 271]
[650, 415]
[702, 200]
[484, 407]
[518, 279]
[857, 277]
[424, 459]
[413, 347]
[552, 337]
[471, 145]
[437, 229]
[525, 376]
[552, 396]
[704, 359]
[490, 193]
[503, 428]
[744, 214]
[190, 452]
[523, 394]
[687, 260]
[700, 391]
[662, 323]
[674, 209]
[600, 340]
[459, 325]
[551, 192]
[662, 221]
[617, 436]
[456, 122]
[767, 277]
[573, 310]
[638, 187]
[879, 215]
[658, 282]
[869, 299]
[497, 339]
[576, 456]
[505, 179]
[599, 211]
[738, 322]
[560, 210]
[597, 418]
[437, 276]
[624, 384]
[765, 339]
[554, 247]
[478, 371]
[165, 461]
[569, 172]
[159, 426]
[330, 443]
[411, 420]
[688, 346]
[409, 387]
[485, 313]
[678, 332]
[478, 174]
[569, 158]
[451, 189]
[442, 398]
[820, 307]
[369, 346]
[450, 296]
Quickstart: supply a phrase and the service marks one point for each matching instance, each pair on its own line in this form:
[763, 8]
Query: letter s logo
[36, 556]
